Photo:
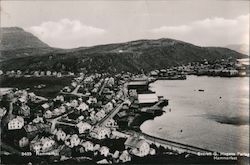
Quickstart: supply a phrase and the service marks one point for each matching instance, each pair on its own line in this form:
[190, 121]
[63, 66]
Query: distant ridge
[128, 56]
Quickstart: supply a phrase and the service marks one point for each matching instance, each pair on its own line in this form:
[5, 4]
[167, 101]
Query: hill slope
[130, 56]
[15, 42]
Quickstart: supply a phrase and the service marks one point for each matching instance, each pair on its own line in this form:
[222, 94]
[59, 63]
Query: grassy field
[53, 84]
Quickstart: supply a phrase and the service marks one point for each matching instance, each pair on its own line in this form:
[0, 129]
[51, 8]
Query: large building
[140, 86]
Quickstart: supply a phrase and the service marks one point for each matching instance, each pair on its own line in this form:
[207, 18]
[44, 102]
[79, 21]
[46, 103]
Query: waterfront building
[140, 86]
[148, 99]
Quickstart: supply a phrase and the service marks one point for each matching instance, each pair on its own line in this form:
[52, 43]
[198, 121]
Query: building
[104, 151]
[125, 157]
[48, 114]
[83, 126]
[138, 147]
[140, 86]
[16, 123]
[60, 135]
[111, 123]
[88, 146]
[148, 99]
[83, 107]
[100, 133]
[23, 142]
[100, 114]
[74, 140]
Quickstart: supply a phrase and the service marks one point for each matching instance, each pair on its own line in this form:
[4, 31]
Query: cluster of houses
[73, 119]
[19, 73]
[224, 68]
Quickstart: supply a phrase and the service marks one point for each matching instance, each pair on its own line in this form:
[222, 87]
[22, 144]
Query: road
[110, 115]
[170, 144]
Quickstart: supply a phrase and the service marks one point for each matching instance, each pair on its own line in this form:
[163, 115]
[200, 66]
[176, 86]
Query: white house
[47, 144]
[100, 133]
[108, 107]
[92, 100]
[111, 123]
[100, 114]
[60, 135]
[139, 147]
[83, 126]
[16, 123]
[74, 103]
[83, 107]
[88, 145]
[125, 157]
[48, 114]
[104, 151]
[74, 140]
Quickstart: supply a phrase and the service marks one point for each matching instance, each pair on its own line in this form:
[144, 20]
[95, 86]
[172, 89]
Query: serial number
[26, 153]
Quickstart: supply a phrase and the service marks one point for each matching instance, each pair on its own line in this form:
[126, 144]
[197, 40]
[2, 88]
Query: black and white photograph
[124, 82]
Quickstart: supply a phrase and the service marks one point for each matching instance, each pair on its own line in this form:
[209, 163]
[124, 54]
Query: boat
[201, 90]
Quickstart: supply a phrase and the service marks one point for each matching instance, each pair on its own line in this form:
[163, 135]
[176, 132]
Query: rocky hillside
[130, 56]
[15, 42]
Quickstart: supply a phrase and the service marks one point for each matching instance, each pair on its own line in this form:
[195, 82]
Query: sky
[70, 24]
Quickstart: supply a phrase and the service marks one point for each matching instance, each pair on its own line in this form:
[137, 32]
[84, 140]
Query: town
[96, 118]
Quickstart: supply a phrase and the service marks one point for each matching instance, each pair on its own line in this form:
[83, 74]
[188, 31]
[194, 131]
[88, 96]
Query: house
[83, 107]
[97, 147]
[43, 144]
[83, 126]
[139, 147]
[103, 161]
[48, 114]
[32, 129]
[24, 111]
[125, 157]
[45, 106]
[54, 73]
[47, 144]
[23, 142]
[16, 123]
[104, 151]
[60, 135]
[59, 74]
[74, 103]
[88, 146]
[48, 73]
[42, 73]
[111, 123]
[100, 133]
[115, 155]
[92, 100]
[32, 96]
[152, 151]
[38, 119]
[74, 140]
[100, 114]
[108, 107]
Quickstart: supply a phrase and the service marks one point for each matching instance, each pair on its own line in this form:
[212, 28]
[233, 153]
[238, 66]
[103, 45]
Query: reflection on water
[216, 119]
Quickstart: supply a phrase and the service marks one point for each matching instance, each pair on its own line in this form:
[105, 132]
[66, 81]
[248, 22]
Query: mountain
[130, 56]
[15, 42]
[242, 48]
